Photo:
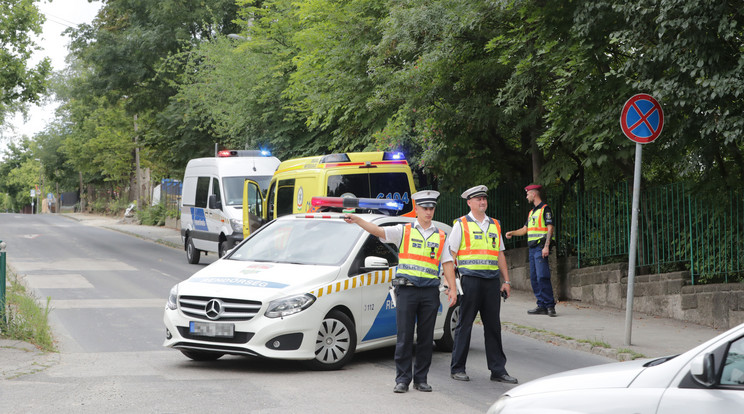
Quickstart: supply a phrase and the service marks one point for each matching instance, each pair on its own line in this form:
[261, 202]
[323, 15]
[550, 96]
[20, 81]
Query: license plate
[211, 329]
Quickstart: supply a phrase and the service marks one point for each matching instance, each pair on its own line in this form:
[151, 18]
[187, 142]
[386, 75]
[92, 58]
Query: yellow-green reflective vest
[418, 258]
[479, 253]
[536, 227]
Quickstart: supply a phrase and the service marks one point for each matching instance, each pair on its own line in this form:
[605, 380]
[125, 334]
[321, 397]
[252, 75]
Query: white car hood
[613, 375]
[255, 280]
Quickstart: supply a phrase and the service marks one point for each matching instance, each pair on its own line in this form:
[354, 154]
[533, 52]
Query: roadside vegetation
[27, 318]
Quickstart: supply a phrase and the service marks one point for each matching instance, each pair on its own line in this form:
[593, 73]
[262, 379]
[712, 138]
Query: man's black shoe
[424, 387]
[551, 312]
[400, 388]
[504, 378]
[460, 376]
[538, 311]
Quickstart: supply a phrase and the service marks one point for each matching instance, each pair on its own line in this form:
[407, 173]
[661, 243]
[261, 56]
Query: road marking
[107, 303]
[74, 264]
[60, 281]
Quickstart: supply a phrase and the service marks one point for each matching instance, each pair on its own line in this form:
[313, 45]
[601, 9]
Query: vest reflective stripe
[478, 256]
[414, 259]
[536, 229]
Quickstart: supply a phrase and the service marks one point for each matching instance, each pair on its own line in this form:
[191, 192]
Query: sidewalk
[577, 326]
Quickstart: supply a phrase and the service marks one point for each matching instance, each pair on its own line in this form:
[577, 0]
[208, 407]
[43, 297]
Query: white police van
[212, 200]
[303, 287]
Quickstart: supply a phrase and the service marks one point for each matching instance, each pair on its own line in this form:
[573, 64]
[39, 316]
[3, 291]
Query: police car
[303, 287]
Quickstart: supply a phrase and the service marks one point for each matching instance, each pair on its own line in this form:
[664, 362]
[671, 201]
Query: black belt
[401, 281]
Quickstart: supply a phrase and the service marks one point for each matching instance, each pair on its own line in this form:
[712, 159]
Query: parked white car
[706, 379]
[303, 287]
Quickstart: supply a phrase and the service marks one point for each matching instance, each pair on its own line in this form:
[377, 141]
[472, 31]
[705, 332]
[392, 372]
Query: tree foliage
[474, 91]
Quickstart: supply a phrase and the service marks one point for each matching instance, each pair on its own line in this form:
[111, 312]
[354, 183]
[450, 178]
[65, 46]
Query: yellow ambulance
[352, 174]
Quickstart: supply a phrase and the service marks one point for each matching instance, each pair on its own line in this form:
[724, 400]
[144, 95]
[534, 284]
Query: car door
[377, 307]
[724, 395]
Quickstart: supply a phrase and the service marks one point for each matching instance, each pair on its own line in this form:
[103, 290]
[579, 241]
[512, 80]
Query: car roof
[378, 219]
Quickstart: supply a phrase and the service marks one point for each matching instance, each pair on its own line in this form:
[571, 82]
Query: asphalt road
[108, 290]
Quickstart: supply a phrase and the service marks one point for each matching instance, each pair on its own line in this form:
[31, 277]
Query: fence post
[2, 282]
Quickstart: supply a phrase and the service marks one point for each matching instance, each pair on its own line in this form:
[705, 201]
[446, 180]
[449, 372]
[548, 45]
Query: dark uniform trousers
[415, 304]
[484, 296]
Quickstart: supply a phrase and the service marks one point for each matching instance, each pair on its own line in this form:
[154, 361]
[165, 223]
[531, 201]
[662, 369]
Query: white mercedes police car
[303, 287]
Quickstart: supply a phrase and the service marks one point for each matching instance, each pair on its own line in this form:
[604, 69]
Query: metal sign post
[642, 120]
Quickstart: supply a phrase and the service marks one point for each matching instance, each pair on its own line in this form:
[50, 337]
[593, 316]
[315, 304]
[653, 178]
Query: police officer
[539, 230]
[416, 282]
[476, 244]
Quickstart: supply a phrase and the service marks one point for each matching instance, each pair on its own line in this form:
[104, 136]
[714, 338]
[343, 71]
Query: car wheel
[192, 253]
[201, 355]
[447, 341]
[336, 342]
[221, 248]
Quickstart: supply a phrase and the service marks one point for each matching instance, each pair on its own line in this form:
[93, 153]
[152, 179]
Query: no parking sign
[642, 118]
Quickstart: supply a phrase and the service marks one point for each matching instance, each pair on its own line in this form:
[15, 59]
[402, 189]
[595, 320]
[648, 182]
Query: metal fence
[678, 230]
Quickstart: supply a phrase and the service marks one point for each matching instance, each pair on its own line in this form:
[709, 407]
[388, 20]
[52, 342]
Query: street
[108, 291]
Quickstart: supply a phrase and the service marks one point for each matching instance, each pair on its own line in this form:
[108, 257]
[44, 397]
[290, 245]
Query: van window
[233, 187]
[216, 190]
[372, 185]
[285, 197]
[270, 201]
[202, 192]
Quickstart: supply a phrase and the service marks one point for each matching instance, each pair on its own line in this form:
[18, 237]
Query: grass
[25, 319]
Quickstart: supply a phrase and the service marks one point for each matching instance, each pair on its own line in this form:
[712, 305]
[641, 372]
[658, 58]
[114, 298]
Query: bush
[153, 215]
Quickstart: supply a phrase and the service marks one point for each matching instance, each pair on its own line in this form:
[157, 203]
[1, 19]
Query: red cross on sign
[642, 118]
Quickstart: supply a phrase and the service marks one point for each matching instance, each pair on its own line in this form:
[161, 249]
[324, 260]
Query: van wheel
[221, 248]
[201, 355]
[335, 344]
[192, 253]
[447, 341]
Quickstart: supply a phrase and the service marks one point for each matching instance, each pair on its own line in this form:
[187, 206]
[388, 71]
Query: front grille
[232, 309]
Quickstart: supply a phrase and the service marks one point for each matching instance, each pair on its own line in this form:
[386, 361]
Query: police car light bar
[368, 203]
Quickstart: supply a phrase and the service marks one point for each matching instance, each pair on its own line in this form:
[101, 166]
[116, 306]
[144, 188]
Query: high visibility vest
[418, 258]
[536, 227]
[479, 253]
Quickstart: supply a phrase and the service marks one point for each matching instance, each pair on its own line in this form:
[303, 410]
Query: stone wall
[668, 295]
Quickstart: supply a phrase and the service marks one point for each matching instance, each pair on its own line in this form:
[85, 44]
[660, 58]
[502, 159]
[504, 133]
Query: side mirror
[703, 370]
[213, 203]
[372, 263]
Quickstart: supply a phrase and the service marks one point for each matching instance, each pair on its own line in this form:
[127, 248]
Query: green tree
[20, 83]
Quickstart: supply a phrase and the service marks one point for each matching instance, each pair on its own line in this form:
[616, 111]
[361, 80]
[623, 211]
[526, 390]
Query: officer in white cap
[420, 248]
[476, 245]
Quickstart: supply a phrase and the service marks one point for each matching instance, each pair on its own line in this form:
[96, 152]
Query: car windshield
[300, 241]
[234, 187]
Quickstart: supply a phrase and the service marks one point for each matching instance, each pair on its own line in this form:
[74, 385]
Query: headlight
[287, 306]
[499, 405]
[237, 225]
[172, 298]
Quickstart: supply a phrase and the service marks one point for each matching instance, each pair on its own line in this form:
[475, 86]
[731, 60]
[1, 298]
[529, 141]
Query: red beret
[533, 187]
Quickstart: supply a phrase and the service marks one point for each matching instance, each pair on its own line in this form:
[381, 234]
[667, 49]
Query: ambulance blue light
[387, 156]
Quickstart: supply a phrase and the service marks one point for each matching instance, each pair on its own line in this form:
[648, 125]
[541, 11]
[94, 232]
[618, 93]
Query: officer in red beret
[539, 231]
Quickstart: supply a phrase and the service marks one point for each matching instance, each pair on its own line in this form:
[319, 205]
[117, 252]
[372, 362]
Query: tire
[221, 248]
[192, 253]
[201, 355]
[447, 341]
[335, 344]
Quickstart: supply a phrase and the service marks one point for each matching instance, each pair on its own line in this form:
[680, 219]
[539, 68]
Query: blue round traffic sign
[642, 118]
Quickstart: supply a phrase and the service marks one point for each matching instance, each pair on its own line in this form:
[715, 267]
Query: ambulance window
[216, 189]
[202, 192]
[285, 197]
[372, 185]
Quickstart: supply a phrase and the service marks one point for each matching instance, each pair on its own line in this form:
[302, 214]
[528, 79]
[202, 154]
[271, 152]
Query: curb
[571, 343]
